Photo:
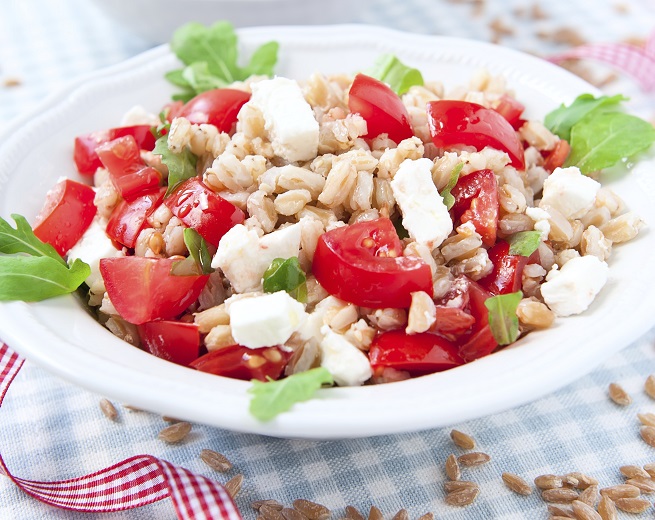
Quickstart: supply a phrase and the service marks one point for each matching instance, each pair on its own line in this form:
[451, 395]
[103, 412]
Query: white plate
[60, 336]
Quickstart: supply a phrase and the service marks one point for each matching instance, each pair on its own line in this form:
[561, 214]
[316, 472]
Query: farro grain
[516, 484]
[473, 459]
[311, 510]
[649, 386]
[270, 513]
[548, 481]
[274, 504]
[463, 497]
[650, 469]
[210, 318]
[634, 471]
[169, 419]
[622, 228]
[619, 395]
[353, 513]
[426, 516]
[215, 460]
[558, 517]
[584, 511]
[559, 495]
[375, 514]
[584, 481]
[620, 491]
[646, 485]
[648, 435]
[292, 514]
[570, 481]
[556, 510]
[219, 337]
[533, 313]
[401, 515]
[632, 505]
[233, 486]
[175, 433]
[458, 485]
[108, 409]
[452, 468]
[291, 202]
[607, 508]
[340, 180]
[590, 496]
[132, 408]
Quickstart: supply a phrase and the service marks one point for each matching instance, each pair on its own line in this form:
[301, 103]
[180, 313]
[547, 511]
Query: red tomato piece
[381, 107]
[557, 156]
[142, 289]
[86, 158]
[476, 201]
[173, 341]
[512, 110]
[455, 123]
[218, 107]
[203, 210]
[67, 213]
[507, 273]
[172, 110]
[452, 321]
[418, 354]
[363, 264]
[129, 217]
[140, 182]
[244, 363]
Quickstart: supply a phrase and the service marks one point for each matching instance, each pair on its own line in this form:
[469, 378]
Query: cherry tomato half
[511, 109]
[142, 289]
[86, 158]
[67, 213]
[557, 156]
[173, 341]
[218, 107]
[203, 210]
[244, 363]
[129, 217]
[462, 123]
[476, 201]
[381, 107]
[418, 354]
[507, 274]
[363, 264]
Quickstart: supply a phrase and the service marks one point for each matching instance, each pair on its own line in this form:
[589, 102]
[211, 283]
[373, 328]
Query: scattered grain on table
[452, 468]
[462, 440]
[649, 386]
[108, 409]
[620, 491]
[516, 483]
[633, 505]
[548, 481]
[257, 504]
[353, 513]
[648, 435]
[375, 514]
[559, 495]
[607, 508]
[476, 458]
[583, 511]
[311, 510]
[619, 395]
[215, 460]
[401, 515]
[233, 486]
[175, 432]
[463, 497]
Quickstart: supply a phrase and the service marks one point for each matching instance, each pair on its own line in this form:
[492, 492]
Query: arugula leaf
[503, 321]
[562, 119]
[447, 197]
[524, 243]
[390, 70]
[36, 278]
[601, 140]
[210, 57]
[198, 250]
[22, 240]
[286, 275]
[400, 229]
[274, 397]
[181, 166]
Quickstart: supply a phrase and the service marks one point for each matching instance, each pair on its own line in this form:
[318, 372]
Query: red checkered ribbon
[134, 482]
[638, 62]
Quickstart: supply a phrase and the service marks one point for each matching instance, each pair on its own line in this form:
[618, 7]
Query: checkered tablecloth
[50, 429]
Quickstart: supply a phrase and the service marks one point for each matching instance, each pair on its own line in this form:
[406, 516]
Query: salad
[352, 229]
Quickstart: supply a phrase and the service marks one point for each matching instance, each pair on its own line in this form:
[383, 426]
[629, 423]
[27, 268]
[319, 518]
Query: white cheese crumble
[425, 215]
[137, 115]
[266, 320]
[288, 118]
[244, 257]
[541, 222]
[570, 192]
[571, 289]
[348, 365]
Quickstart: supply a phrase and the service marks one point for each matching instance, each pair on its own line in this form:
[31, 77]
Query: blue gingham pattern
[50, 429]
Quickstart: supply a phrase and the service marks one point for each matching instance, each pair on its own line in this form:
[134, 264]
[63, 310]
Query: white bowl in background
[59, 335]
[156, 20]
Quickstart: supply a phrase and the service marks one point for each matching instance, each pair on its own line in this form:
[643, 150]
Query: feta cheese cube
[570, 192]
[265, 321]
[94, 245]
[348, 365]
[571, 289]
[288, 118]
[244, 257]
[541, 222]
[425, 215]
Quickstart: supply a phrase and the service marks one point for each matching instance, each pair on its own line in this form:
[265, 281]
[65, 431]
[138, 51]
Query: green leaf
[601, 140]
[562, 119]
[198, 250]
[36, 278]
[274, 397]
[286, 275]
[390, 70]
[447, 197]
[181, 166]
[22, 240]
[176, 77]
[200, 79]
[400, 229]
[503, 321]
[263, 61]
[524, 243]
